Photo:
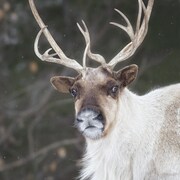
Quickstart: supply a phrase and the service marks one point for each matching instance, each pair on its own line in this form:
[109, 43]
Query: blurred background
[37, 138]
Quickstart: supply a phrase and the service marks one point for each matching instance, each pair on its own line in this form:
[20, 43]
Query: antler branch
[85, 33]
[63, 59]
[136, 37]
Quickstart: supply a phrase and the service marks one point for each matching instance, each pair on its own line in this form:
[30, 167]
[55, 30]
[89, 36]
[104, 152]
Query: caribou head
[96, 91]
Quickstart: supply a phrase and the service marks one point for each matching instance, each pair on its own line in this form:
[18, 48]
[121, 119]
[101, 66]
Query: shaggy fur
[145, 142]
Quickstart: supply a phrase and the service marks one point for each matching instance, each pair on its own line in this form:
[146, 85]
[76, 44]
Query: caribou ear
[127, 74]
[62, 83]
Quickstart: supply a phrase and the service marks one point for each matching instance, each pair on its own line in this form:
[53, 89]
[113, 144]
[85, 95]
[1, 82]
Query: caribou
[128, 137]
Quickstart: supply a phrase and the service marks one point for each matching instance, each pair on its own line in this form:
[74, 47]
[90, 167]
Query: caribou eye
[114, 89]
[73, 93]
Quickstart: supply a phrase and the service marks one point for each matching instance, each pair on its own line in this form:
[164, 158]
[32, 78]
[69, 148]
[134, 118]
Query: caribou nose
[89, 114]
[90, 122]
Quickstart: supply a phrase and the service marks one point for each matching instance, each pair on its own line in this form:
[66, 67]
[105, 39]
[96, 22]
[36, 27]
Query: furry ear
[62, 83]
[127, 74]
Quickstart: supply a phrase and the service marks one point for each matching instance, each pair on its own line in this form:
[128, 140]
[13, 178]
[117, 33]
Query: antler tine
[142, 30]
[137, 37]
[128, 29]
[50, 57]
[85, 33]
[84, 55]
[139, 15]
[63, 59]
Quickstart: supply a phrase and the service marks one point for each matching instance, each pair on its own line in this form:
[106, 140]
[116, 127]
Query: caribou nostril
[79, 120]
[99, 117]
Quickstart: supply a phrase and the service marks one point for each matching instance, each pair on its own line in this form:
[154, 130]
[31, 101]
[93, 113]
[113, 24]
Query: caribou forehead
[93, 79]
[96, 75]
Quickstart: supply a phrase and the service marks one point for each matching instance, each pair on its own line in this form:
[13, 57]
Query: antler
[136, 37]
[63, 59]
[85, 33]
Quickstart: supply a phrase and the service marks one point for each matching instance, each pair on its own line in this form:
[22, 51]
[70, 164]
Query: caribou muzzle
[90, 122]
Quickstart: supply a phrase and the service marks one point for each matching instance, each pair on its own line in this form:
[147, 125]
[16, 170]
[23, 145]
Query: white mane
[139, 145]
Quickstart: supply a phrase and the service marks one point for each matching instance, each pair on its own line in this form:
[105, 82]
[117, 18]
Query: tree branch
[42, 151]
